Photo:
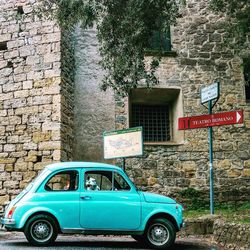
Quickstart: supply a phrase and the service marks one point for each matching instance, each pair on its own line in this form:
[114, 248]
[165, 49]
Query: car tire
[160, 234]
[41, 230]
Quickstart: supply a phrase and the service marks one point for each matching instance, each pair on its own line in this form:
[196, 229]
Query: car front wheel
[41, 230]
[160, 234]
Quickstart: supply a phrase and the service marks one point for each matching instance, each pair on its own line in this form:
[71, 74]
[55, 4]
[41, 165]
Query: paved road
[16, 241]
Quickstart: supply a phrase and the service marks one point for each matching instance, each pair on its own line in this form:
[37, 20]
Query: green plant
[193, 199]
[124, 28]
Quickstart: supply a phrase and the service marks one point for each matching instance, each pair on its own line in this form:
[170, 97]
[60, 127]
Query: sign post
[211, 161]
[208, 94]
[209, 121]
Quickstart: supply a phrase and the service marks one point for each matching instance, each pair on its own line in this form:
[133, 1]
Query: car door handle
[85, 197]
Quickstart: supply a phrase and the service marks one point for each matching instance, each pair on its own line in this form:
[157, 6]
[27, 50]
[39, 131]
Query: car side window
[98, 180]
[120, 183]
[63, 181]
[105, 181]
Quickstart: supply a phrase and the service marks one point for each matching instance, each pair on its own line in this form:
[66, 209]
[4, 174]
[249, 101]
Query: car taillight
[11, 212]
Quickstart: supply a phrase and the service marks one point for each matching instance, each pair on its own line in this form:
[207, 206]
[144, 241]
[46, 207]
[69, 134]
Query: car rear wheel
[160, 234]
[41, 230]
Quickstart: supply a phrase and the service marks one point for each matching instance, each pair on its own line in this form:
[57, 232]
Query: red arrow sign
[203, 121]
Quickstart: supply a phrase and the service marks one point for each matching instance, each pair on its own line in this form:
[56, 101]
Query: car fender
[36, 210]
[155, 212]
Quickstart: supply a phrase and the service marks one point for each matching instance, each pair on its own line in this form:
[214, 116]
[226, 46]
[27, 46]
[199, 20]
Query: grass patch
[229, 213]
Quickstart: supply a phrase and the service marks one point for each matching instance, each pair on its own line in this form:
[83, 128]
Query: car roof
[62, 165]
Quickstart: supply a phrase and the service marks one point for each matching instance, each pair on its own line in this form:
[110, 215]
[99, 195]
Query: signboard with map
[123, 143]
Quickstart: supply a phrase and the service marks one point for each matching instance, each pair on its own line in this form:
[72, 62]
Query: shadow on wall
[94, 110]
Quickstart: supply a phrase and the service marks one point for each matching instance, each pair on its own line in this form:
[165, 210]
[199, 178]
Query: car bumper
[8, 222]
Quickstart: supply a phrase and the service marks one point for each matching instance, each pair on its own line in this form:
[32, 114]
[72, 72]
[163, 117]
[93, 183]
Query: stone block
[7, 160]
[34, 75]
[224, 164]
[27, 110]
[3, 64]
[4, 199]
[11, 184]
[52, 57]
[16, 176]
[11, 54]
[21, 166]
[40, 165]
[4, 176]
[29, 176]
[5, 72]
[12, 139]
[32, 60]
[41, 136]
[54, 126]
[27, 85]
[49, 38]
[245, 173]
[52, 73]
[30, 146]
[21, 94]
[7, 96]
[57, 155]
[26, 50]
[51, 145]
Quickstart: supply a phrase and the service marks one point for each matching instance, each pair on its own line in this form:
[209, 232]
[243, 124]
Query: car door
[60, 194]
[110, 203]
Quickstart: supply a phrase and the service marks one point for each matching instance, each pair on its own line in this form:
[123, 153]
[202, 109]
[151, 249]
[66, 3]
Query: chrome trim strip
[100, 231]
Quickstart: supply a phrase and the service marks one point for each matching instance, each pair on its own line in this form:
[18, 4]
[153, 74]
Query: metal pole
[211, 162]
[124, 164]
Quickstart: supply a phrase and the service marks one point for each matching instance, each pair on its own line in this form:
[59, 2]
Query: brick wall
[30, 99]
[197, 40]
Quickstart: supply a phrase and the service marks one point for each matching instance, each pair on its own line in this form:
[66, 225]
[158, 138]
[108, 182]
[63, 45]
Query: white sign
[210, 93]
[123, 143]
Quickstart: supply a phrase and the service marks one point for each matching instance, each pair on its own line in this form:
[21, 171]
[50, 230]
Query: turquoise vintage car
[91, 198]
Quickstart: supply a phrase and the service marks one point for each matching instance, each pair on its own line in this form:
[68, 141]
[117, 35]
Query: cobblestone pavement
[14, 241]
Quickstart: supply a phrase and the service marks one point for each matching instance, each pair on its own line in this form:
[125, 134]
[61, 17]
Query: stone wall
[94, 109]
[214, 230]
[197, 39]
[30, 99]
[232, 235]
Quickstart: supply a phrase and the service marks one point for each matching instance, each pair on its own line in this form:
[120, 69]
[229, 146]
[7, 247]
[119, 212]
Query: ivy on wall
[124, 28]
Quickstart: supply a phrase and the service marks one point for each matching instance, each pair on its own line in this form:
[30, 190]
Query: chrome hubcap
[158, 234]
[41, 230]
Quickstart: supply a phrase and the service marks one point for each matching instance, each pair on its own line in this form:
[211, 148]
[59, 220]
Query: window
[98, 180]
[154, 119]
[120, 183]
[157, 111]
[246, 64]
[160, 41]
[63, 181]
[105, 181]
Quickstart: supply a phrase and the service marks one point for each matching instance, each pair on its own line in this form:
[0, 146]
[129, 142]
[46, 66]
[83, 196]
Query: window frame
[113, 181]
[59, 172]
[161, 95]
